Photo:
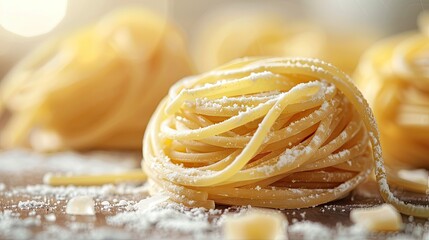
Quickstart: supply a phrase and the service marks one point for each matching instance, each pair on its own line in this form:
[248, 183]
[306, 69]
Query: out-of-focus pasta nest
[95, 88]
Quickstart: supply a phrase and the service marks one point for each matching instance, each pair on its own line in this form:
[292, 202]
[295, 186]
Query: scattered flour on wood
[19, 160]
[155, 213]
[62, 192]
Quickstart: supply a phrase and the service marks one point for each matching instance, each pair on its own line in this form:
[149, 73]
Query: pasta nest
[394, 76]
[227, 35]
[94, 88]
[269, 132]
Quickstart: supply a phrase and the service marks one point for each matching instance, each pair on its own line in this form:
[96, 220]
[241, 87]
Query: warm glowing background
[25, 23]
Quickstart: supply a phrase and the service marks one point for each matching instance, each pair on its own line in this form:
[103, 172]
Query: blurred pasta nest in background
[227, 35]
[394, 76]
[95, 88]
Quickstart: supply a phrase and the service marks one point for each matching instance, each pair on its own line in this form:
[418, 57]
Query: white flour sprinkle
[31, 204]
[154, 213]
[20, 160]
[318, 231]
[12, 227]
[308, 230]
[63, 192]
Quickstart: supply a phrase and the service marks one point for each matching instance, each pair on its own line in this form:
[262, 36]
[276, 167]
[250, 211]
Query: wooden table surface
[19, 222]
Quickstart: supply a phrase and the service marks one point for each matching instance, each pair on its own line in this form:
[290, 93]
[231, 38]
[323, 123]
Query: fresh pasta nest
[394, 77]
[227, 35]
[270, 132]
[96, 88]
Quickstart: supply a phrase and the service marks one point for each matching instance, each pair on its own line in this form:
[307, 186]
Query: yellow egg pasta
[269, 132]
[227, 36]
[96, 88]
[394, 76]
